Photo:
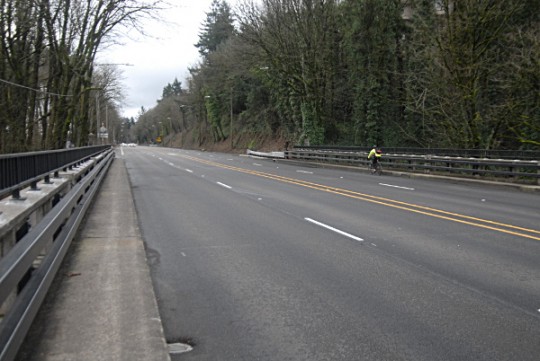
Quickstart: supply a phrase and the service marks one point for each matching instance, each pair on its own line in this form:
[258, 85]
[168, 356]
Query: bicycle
[375, 167]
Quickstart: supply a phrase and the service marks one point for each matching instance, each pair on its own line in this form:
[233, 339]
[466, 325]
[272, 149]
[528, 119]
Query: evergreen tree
[217, 28]
[174, 89]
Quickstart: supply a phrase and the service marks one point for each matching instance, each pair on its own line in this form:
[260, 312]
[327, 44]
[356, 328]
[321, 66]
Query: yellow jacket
[374, 153]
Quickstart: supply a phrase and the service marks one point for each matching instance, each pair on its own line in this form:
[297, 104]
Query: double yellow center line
[410, 207]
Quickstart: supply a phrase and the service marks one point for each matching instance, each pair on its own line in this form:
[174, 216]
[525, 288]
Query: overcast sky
[159, 59]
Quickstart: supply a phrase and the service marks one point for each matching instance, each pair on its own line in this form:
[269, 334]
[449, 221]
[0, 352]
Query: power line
[35, 90]
[125, 64]
[55, 94]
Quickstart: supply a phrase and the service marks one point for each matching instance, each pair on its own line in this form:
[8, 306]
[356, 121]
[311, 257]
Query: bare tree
[47, 65]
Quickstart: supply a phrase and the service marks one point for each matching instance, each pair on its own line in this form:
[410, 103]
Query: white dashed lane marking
[224, 185]
[338, 231]
[393, 186]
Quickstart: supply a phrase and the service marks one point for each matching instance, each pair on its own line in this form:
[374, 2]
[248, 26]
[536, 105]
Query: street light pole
[97, 119]
[231, 125]
[183, 116]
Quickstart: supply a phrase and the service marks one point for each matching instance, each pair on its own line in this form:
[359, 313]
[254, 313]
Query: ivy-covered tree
[215, 75]
[373, 34]
[299, 42]
[520, 75]
[465, 69]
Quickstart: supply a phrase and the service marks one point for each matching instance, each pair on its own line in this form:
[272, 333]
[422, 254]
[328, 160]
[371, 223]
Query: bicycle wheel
[378, 168]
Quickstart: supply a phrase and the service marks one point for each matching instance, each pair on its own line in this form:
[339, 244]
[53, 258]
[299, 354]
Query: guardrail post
[16, 195]
[33, 186]
[474, 168]
[512, 170]
[6, 244]
[427, 164]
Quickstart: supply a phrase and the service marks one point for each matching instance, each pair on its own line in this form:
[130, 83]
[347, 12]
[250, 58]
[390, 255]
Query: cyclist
[375, 155]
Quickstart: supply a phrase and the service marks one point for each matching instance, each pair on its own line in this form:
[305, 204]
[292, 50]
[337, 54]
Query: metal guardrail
[60, 225]
[519, 171]
[18, 171]
[442, 152]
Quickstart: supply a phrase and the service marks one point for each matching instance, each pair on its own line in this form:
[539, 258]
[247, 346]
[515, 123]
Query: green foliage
[252, 144]
[372, 35]
[463, 79]
[460, 74]
[174, 89]
[213, 112]
[313, 130]
[217, 28]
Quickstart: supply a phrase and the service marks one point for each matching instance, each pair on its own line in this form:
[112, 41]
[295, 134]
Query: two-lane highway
[260, 260]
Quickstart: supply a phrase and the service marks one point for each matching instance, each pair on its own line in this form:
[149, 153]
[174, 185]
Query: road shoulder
[101, 305]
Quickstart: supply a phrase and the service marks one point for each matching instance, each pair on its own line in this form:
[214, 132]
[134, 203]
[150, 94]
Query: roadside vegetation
[459, 74]
[419, 73]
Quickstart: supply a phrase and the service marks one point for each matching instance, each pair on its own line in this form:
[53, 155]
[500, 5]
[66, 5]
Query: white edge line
[334, 229]
[224, 185]
[393, 186]
[189, 171]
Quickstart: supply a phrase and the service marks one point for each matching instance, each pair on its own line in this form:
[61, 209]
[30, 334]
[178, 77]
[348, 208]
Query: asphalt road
[259, 260]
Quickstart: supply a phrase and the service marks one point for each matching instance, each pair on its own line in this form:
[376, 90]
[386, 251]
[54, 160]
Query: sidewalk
[101, 305]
